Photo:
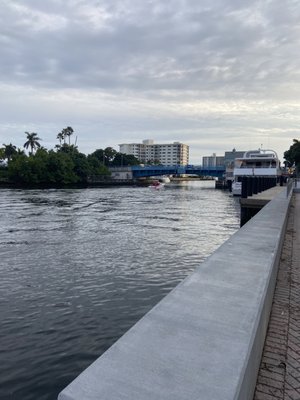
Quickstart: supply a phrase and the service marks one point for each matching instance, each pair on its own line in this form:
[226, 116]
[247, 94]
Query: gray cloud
[180, 68]
[94, 44]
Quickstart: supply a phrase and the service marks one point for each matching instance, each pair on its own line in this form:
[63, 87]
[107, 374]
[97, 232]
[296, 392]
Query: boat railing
[258, 166]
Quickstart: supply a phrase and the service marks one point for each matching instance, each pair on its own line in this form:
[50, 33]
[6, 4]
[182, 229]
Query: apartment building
[175, 153]
[229, 158]
[213, 161]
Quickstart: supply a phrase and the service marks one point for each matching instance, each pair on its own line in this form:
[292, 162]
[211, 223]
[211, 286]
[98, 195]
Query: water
[80, 267]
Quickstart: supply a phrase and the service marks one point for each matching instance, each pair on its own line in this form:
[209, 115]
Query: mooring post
[255, 185]
[244, 187]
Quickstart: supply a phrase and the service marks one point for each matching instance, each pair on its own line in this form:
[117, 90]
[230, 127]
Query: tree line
[292, 156]
[63, 165]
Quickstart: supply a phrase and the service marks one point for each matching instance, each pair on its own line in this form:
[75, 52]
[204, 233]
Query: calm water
[79, 267]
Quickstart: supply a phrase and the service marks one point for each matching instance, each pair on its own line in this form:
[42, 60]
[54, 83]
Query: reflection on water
[79, 267]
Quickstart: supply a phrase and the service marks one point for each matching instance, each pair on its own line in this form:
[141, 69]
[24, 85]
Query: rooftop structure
[213, 161]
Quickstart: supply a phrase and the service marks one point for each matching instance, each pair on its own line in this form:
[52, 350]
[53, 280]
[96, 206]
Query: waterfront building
[226, 161]
[175, 153]
[213, 161]
[229, 158]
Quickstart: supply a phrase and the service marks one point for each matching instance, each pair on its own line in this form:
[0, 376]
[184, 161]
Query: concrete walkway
[279, 374]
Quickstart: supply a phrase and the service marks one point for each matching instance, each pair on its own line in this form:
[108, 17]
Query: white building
[213, 161]
[166, 154]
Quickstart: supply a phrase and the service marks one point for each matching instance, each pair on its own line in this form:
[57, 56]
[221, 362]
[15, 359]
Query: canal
[79, 267]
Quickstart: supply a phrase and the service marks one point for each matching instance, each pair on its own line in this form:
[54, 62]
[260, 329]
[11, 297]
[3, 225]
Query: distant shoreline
[9, 185]
[104, 183]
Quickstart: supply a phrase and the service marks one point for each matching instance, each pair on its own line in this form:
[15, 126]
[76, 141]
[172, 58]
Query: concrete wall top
[203, 341]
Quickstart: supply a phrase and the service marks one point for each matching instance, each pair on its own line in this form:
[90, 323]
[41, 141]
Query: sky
[214, 74]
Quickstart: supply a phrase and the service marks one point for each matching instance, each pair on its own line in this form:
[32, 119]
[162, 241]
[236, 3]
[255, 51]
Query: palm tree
[67, 132]
[32, 141]
[60, 137]
[9, 150]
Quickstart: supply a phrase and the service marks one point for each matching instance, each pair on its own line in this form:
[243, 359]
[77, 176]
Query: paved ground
[279, 374]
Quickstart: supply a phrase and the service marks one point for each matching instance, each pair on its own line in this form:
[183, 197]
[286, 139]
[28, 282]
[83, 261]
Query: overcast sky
[214, 74]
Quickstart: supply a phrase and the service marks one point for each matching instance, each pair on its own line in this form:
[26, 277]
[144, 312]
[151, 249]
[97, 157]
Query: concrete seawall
[204, 340]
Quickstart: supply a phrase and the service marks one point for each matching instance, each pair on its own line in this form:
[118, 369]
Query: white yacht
[259, 163]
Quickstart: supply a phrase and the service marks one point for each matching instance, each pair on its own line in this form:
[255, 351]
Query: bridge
[156, 170]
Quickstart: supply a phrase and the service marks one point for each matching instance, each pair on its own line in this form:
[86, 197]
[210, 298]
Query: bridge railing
[148, 170]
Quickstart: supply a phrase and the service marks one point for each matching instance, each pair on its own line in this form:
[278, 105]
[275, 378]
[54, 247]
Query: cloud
[177, 70]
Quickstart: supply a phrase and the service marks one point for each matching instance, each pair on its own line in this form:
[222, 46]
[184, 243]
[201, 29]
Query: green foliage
[63, 166]
[105, 156]
[111, 157]
[3, 174]
[65, 133]
[100, 155]
[67, 148]
[81, 166]
[32, 141]
[124, 160]
[42, 168]
[3, 167]
[96, 166]
[58, 168]
[51, 167]
[20, 151]
[292, 156]
[153, 162]
[9, 151]
[110, 154]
